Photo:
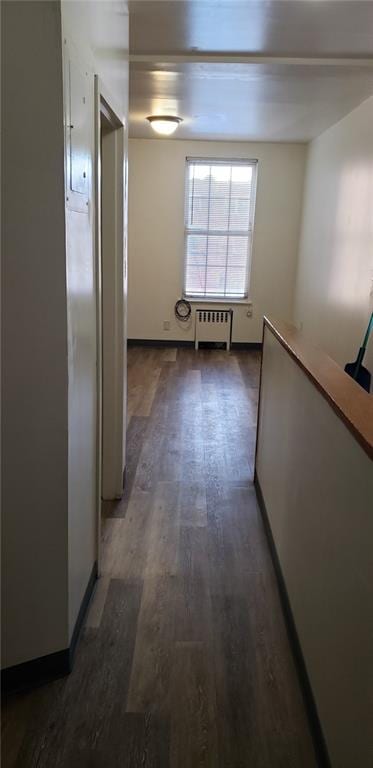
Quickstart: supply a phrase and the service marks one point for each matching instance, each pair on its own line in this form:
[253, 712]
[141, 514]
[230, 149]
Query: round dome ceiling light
[165, 125]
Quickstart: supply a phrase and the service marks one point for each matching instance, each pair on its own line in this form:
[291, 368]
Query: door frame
[104, 107]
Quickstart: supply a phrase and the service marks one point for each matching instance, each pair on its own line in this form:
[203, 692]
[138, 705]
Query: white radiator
[213, 325]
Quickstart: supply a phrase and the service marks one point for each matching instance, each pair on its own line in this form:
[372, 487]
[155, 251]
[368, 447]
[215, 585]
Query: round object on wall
[183, 310]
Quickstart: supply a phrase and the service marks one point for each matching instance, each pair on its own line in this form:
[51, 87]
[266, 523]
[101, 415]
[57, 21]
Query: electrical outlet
[166, 325]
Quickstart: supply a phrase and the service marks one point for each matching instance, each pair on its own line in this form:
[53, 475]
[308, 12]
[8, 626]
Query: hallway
[184, 660]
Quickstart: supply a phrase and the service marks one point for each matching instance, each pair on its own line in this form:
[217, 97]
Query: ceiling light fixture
[165, 125]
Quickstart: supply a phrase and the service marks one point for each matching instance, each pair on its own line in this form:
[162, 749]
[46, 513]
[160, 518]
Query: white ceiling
[271, 70]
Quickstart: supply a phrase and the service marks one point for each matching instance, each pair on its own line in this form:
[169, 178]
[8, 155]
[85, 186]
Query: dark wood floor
[184, 660]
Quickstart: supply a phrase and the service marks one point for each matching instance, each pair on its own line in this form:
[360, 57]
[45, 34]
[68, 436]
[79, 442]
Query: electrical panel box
[77, 135]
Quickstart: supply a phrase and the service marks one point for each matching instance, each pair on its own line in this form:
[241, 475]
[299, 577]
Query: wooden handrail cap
[350, 402]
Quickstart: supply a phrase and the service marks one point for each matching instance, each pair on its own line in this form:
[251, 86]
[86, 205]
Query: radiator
[213, 325]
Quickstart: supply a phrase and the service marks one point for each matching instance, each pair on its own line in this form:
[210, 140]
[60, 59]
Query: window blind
[219, 217]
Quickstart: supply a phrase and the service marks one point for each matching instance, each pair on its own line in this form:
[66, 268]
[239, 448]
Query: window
[219, 217]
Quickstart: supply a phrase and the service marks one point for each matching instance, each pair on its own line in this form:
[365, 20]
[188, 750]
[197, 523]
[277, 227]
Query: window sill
[193, 300]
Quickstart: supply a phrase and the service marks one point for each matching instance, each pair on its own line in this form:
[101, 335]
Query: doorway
[112, 302]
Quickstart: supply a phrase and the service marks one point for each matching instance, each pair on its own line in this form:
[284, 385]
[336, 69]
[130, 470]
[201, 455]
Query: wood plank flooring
[184, 660]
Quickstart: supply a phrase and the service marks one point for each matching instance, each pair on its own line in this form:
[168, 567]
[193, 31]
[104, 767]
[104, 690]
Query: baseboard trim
[82, 613]
[159, 343]
[322, 756]
[31, 674]
[187, 343]
[246, 345]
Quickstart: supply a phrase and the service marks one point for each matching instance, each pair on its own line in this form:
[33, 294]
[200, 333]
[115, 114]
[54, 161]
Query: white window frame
[249, 233]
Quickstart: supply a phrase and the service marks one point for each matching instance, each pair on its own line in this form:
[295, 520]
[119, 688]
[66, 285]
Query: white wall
[318, 494]
[34, 384]
[334, 290]
[100, 30]
[156, 233]
[96, 35]
[49, 504]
